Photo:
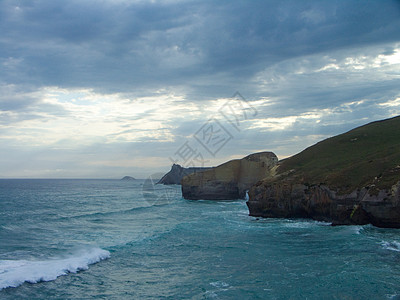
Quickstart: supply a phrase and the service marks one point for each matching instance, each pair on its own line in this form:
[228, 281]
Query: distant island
[128, 178]
[352, 178]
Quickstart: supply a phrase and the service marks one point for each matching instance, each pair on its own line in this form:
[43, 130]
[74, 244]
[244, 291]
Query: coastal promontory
[352, 178]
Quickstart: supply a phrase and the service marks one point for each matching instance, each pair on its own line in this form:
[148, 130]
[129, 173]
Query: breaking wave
[15, 272]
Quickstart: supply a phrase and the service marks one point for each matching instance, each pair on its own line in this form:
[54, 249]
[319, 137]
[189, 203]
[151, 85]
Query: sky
[104, 89]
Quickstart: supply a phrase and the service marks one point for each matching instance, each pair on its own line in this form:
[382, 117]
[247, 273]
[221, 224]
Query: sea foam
[15, 272]
[393, 246]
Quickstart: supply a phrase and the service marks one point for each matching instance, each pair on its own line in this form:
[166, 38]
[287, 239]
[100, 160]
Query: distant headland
[177, 172]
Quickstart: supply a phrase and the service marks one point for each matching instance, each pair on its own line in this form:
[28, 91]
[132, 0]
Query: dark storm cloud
[103, 81]
[122, 46]
[24, 104]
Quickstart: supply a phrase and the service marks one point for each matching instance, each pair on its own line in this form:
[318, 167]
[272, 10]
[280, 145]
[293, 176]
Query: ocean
[112, 239]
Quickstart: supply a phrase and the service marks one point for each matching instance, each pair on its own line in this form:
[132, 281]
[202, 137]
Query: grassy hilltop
[368, 156]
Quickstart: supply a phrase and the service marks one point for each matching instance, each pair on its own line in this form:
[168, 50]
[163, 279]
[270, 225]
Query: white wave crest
[393, 246]
[15, 272]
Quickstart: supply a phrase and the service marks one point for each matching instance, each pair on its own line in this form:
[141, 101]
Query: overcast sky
[103, 89]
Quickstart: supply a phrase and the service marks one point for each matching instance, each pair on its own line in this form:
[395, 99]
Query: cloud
[113, 82]
[134, 45]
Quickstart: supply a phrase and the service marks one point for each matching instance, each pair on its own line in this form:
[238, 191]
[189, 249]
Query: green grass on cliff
[366, 156]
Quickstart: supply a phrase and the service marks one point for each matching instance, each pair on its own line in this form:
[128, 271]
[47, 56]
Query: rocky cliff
[352, 178]
[177, 172]
[229, 180]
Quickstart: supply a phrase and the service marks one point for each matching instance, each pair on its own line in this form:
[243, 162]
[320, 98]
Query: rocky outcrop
[177, 172]
[352, 178]
[229, 180]
[292, 200]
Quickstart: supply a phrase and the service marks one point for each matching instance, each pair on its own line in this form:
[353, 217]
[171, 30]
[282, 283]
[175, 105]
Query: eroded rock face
[290, 200]
[229, 180]
[177, 172]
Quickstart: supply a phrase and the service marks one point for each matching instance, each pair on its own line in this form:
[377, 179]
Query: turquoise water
[105, 239]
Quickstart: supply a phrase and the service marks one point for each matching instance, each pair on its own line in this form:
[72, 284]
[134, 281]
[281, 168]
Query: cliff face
[229, 180]
[353, 178]
[291, 200]
[175, 175]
